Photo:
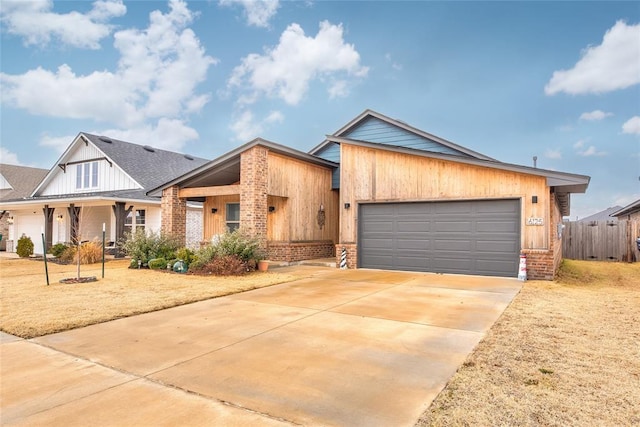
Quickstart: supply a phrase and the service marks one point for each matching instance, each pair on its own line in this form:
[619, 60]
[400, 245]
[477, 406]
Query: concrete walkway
[343, 348]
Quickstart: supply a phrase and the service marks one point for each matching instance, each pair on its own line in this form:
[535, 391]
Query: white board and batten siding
[110, 177]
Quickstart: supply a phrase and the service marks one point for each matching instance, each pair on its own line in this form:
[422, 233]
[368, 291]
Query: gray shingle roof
[23, 179]
[150, 167]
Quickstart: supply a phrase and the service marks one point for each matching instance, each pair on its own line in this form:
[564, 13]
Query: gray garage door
[467, 237]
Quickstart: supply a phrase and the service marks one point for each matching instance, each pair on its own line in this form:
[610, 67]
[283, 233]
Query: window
[87, 175]
[233, 216]
[140, 219]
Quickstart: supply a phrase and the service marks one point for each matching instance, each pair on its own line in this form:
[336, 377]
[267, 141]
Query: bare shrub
[228, 265]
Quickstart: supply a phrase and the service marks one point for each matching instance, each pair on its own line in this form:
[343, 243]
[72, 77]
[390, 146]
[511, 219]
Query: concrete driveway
[344, 348]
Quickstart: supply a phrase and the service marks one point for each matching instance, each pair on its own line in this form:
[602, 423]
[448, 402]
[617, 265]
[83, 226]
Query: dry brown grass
[30, 308]
[563, 353]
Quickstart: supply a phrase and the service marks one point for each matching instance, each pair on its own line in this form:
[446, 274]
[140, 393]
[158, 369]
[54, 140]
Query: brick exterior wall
[174, 214]
[299, 251]
[352, 254]
[544, 264]
[253, 192]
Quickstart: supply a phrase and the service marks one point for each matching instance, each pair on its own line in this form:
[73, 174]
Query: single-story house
[387, 194]
[100, 182]
[16, 182]
[630, 212]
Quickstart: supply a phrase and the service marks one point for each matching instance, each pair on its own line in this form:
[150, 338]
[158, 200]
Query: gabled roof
[604, 215]
[630, 208]
[225, 170]
[147, 166]
[408, 137]
[22, 180]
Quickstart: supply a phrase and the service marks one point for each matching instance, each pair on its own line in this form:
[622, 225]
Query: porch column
[74, 223]
[253, 192]
[48, 226]
[174, 214]
[120, 212]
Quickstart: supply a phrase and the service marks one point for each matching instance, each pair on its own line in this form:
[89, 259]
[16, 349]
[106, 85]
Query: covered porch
[281, 196]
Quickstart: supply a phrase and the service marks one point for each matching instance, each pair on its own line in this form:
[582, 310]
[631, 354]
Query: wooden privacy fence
[601, 240]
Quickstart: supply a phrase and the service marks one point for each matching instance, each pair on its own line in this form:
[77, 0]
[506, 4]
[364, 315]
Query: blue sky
[512, 80]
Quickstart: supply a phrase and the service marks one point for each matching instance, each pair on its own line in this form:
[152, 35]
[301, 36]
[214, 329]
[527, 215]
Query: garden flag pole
[103, 233]
[44, 253]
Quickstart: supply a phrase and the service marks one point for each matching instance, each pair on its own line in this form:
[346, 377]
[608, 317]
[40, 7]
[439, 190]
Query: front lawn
[564, 353]
[29, 308]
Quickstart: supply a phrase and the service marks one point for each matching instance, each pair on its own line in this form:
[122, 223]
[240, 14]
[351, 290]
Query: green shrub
[185, 254]
[240, 244]
[25, 247]
[133, 264]
[142, 246]
[57, 249]
[157, 264]
[202, 257]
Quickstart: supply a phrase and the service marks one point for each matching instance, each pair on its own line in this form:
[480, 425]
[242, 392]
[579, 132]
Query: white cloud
[590, 151]
[154, 83]
[59, 143]
[287, 70]
[595, 115]
[246, 127]
[8, 158]
[632, 126]
[38, 25]
[257, 12]
[167, 134]
[338, 89]
[612, 65]
[552, 154]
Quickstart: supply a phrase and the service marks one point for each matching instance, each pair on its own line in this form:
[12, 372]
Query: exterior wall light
[347, 205]
[214, 210]
[272, 209]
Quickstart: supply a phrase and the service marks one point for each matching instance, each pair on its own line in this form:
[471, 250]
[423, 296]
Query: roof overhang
[225, 170]
[631, 208]
[63, 202]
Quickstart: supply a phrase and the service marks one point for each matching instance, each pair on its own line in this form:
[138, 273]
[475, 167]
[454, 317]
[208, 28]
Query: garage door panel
[467, 237]
[454, 245]
[503, 226]
[451, 226]
[414, 226]
[451, 208]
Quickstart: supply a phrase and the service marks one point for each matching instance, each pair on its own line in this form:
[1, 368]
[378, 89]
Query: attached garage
[479, 237]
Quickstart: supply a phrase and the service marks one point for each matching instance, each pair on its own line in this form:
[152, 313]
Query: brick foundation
[352, 254]
[299, 251]
[540, 264]
[174, 214]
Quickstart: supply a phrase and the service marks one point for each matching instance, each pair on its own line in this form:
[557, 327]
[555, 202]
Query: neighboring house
[16, 182]
[629, 212]
[98, 181]
[390, 195]
[604, 215]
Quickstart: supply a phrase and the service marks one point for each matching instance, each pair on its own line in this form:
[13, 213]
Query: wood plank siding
[309, 186]
[371, 175]
[295, 190]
